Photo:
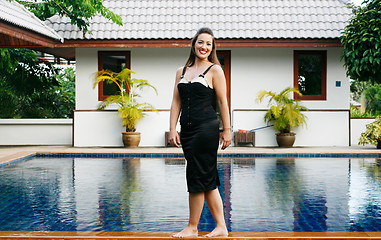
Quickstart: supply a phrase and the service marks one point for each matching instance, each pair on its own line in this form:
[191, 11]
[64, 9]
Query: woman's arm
[174, 137]
[219, 85]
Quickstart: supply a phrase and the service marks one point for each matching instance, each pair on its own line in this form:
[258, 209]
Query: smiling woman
[198, 86]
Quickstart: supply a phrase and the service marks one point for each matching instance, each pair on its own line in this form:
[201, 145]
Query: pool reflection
[263, 194]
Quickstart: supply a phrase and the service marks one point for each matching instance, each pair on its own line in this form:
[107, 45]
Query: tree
[79, 12]
[29, 89]
[361, 41]
[373, 99]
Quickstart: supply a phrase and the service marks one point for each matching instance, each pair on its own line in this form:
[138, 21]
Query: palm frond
[284, 112]
[129, 109]
[108, 77]
[139, 84]
[263, 94]
[114, 99]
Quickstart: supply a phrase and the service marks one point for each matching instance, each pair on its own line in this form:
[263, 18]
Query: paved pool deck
[9, 153]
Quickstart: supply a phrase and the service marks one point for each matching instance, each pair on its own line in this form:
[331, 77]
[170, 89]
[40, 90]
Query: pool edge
[17, 157]
[167, 235]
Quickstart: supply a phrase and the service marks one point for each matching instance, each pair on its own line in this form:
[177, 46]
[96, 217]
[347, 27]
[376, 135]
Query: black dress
[199, 134]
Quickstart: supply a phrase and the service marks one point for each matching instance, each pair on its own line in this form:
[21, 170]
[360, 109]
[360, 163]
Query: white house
[262, 44]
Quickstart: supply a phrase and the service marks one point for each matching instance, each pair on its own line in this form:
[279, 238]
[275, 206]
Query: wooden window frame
[323, 55]
[227, 72]
[101, 54]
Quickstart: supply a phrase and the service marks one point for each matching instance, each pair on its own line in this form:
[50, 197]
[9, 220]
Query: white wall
[36, 131]
[94, 126]
[157, 65]
[252, 70]
[256, 69]
[86, 98]
[323, 128]
[271, 69]
[104, 128]
[97, 128]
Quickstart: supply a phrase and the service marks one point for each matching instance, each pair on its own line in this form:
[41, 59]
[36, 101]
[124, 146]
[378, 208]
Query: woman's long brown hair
[213, 55]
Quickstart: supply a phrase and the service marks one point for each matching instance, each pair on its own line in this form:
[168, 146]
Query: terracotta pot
[285, 139]
[131, 139]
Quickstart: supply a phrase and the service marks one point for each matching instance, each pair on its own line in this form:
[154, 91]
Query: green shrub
[30, 89]
[372, 135]
[285, 113]
[357, 113]
[373, 98]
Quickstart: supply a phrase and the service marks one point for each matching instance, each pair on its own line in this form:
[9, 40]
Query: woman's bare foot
[187, 233]
[218, 232]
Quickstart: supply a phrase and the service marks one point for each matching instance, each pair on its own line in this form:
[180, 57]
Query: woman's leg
[214, 201]
[196, 203]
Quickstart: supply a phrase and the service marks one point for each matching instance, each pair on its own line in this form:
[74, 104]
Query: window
[114, 61]
[310, 75]
[224, 58]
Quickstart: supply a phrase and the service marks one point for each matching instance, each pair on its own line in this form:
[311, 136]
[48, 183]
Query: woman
[198, 85]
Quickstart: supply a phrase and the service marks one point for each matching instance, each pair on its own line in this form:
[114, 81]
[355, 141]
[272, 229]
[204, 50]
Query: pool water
[149, 194]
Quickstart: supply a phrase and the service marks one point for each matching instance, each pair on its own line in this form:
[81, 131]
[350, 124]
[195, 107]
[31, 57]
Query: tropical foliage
[284, 112]
[357, 89]
[358, 113]
[372, 97]
[372, 135]
[361, 42]
[79, 12]
[130, 110]
[30, 89]
[368, 95]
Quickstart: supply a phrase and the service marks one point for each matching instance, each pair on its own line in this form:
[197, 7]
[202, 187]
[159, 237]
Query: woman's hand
[174, 138]
[226, 138]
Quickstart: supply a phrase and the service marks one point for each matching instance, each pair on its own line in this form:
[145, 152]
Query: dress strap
[203, 74]
[184, 69]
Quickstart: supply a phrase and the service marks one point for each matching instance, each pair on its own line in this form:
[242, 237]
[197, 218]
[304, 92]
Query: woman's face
[203, 46]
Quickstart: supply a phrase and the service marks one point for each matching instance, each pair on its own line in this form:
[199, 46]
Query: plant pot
[379, 144]
[285, 139]
[131, 139]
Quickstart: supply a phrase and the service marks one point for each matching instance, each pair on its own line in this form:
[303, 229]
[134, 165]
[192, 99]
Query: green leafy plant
[373, 98]
[372, 135]
[284, 112]
[79, 12]
[361, 42]
[33, 89]
[130, 110]
[369, 96]
[65, 92]
[357, 113]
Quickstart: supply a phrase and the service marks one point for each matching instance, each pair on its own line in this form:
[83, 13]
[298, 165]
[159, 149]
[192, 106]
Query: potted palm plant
[372, 134]
[130, 110]
[285, 113]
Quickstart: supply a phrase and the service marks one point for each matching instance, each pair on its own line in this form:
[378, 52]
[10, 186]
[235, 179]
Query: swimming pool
[149, 194]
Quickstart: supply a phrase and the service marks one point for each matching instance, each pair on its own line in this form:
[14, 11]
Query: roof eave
[27, 38]
[180, 43]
